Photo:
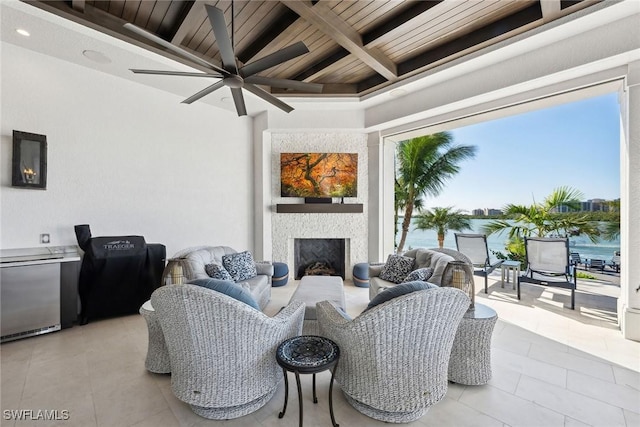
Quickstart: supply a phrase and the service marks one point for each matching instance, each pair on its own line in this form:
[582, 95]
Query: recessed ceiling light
[226, 99]
[96, 56]
[397, 93]
[22, 32]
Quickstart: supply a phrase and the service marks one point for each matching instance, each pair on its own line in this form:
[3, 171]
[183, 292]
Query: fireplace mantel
[319, 208]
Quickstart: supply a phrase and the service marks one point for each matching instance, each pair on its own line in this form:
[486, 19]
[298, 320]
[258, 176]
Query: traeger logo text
[119, 245]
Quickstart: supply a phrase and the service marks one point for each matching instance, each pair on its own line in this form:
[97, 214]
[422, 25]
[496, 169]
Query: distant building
[486, 212]
[591, 205]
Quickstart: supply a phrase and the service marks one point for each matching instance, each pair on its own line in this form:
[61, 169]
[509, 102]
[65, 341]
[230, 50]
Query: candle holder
[174, 272]
[461, 280]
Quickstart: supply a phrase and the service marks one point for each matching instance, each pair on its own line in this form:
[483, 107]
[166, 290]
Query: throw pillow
[228, 288]
[396, 291]
[240, 265]
[421, 274]
[216, 271]
[396, 268]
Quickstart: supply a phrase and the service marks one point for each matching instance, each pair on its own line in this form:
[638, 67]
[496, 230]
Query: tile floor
[551, 367]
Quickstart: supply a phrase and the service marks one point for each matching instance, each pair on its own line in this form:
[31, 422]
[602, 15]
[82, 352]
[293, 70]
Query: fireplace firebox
[319, 256]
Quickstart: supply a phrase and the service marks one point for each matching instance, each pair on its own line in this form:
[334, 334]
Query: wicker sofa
[437, 259]
[193, 261]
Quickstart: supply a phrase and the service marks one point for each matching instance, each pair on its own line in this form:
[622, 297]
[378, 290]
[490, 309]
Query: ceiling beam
[550, 9]
[317, 69]
[78, 5]
[455, 47]
[328, 22]
[396, 21]
[261, 41]
[188, 22]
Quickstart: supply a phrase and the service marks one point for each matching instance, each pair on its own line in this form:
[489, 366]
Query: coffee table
[307, 354]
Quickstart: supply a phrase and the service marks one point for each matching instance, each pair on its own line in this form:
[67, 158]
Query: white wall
[122, 157]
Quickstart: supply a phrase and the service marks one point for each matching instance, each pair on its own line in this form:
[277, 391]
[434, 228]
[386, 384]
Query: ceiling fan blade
[174, 48]
[268, 97]
[175, 73]
[238, 99]
[203, 92]
[274, 59]
[219, 26]
[285, 84]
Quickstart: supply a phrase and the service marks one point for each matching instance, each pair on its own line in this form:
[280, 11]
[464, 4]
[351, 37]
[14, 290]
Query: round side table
[470, 361]
[157, 360]
[308, 354]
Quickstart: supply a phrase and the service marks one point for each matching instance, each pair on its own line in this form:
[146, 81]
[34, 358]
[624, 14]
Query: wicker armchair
[394, 357]
[222, 351]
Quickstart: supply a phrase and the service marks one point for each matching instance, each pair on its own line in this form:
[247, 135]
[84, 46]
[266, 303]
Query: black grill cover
[118, 274]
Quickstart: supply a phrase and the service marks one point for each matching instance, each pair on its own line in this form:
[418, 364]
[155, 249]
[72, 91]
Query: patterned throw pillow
[396, 268]
[421, 274]
[216, 271]
[240, 266]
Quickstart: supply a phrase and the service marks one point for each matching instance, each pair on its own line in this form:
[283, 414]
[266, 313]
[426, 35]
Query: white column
[629, 302]
[376, 197]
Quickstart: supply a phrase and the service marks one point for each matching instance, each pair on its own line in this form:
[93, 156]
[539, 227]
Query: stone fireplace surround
[286, 227]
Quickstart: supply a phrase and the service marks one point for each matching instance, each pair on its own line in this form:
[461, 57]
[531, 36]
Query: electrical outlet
[45, 238]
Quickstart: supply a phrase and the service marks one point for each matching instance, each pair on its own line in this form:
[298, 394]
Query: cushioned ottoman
[280, 274]
[313, 289]
[361, 275]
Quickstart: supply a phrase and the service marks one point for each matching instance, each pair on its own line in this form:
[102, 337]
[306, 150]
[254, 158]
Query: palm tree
[425, 164]
[442, 220]
[612, 227]
[400, 203]
[542, 220]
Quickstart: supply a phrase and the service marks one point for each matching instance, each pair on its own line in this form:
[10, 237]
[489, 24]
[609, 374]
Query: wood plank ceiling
[356, 47]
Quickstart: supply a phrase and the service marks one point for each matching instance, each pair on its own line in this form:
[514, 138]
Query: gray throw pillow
[216, 271]
[240, 265]
[228, 288]
[396, 268]
[421, 274]
[396, 291]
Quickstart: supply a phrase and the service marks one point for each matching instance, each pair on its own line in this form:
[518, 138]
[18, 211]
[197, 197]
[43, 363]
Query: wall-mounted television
[318, 175]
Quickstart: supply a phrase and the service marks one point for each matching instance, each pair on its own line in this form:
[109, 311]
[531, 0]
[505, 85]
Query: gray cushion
[216, 271]
[228, 288]
[240, 265]
[421, 274]
[396, 291]
[396, 268]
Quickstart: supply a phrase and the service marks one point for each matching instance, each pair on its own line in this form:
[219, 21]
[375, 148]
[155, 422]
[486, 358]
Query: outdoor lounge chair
[594, 263]
[474, 246]
[548, 265]
[575, 259]
[614, 264]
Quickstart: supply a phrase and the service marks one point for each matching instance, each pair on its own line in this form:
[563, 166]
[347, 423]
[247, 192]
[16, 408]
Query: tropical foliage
[442, 220]
[424, 165]
[541, 220]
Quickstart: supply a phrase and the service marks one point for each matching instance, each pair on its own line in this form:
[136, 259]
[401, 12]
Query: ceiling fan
[231, 76]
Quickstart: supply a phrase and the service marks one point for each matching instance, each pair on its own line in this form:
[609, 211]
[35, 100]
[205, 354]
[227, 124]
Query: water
[604, 249]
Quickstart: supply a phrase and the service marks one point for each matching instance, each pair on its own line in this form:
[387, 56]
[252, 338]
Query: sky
[523, 158]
